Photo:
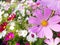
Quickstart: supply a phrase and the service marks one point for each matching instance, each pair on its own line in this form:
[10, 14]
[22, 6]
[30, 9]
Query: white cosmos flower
[2, 34]
[32, 37]
[22, 33]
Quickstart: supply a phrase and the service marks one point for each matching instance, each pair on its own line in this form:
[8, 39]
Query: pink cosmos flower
[52, 4]
[52, 41]
[43, 25]
[9, 36]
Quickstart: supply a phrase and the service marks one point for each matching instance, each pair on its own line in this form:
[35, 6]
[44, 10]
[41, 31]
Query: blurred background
[10, 0]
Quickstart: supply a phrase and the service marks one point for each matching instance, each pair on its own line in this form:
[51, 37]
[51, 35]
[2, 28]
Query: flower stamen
[44, 23]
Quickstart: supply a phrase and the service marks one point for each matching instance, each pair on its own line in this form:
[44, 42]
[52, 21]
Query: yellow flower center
[44, 23]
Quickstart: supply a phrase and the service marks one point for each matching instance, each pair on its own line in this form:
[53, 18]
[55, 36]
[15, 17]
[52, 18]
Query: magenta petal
[9, 36]
[47, 13]
[57, 40]
[55, 27]
[17, 43]
[55, 19]
[33, 20]
[48, 32]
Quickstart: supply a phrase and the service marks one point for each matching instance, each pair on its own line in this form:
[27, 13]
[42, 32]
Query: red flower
[3, 26]
[11, 17]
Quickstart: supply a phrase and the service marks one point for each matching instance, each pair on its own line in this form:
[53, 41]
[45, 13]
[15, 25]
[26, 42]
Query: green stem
[9, 43]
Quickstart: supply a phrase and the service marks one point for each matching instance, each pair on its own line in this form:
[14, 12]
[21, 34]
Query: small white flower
[11, 27]
[16, 30]
[12, 23]
[26, 18]
[32, 37]
[22, 33]
[23, 12]
[6, 14]
[19, 17]
[2, 34]
[28, 12]
[1, 12]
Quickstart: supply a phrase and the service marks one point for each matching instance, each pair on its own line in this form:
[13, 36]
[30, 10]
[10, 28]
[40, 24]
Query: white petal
[0, 35]
[4, 33]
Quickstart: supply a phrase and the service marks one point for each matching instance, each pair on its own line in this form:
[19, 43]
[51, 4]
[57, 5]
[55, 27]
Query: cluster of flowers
[28, 22]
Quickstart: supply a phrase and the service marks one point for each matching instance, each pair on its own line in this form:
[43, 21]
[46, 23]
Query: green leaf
[39, 42]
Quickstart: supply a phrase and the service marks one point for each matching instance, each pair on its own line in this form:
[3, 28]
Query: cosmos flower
[32, 37]
[43, 25]
[3, 26]
[11, 17]
[9, 36]
[52, 41]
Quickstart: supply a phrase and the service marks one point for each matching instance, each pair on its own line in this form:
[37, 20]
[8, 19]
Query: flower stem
[30, 43]
[9, 43]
